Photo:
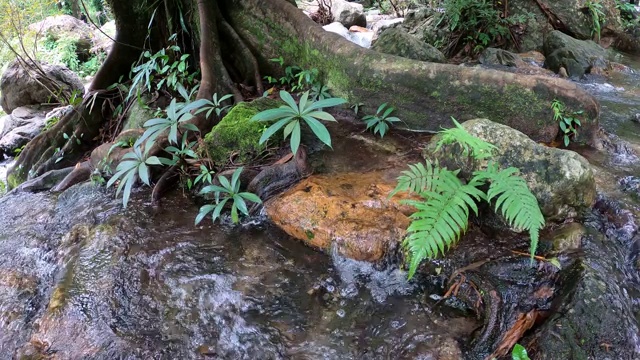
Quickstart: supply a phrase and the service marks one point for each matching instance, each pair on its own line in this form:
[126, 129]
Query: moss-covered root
[426, 94]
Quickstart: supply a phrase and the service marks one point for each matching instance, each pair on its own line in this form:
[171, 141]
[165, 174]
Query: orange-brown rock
[351, 211]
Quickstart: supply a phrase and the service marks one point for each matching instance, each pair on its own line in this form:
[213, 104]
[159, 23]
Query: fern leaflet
[442, 218]
[417, 179]
[471, 145]
[514, 201]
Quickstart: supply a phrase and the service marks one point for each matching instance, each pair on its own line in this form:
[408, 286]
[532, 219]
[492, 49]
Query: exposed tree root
[168, 178]
[80, 173]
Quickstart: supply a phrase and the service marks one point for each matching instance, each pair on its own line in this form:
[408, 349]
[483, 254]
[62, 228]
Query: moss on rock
[236, 133]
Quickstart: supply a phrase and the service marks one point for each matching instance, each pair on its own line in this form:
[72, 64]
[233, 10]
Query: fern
[514, 201]
[471, 145]
[442, 218]
[417, 179]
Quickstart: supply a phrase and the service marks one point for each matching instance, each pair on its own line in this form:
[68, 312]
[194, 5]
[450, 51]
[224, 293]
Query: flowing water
[81, 278]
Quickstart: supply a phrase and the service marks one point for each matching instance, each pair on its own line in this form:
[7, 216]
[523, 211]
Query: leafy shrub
[168, 65]
[134, 166]
[291, 114]
[228, 191]
[381, 121]
[177, 117]
[442, 215]
[597, 17]
[476, 22]
[91, 66]
[568, 122]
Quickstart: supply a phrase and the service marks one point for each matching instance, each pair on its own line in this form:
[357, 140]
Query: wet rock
[61, 27]
[358, 38]
[630, 184]
[568, 237]
[397, 42]
[636, 118]
[594, 318]
[350, 211]
[493, 56]
[578, 57]
[348, 13]
[533, 57]
[382, 24]
[423, 24]
[562, 181]
[22, 125]
[20, 87]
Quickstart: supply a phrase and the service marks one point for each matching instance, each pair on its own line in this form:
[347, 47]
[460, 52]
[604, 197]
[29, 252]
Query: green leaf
[271, 114]
[273, 129]
[319, 130]
[251, 197]
[234, 213]
[326, 103]
[322, 115]
[225, 183]
[235, 183]
[555, 262]
[143, 173]
[295, 138]
[288, 99]
[204, 210]
[242, 206]
[519, 353]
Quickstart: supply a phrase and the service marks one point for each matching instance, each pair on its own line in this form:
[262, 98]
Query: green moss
[237, 134]
[14, 180]
[309, 234]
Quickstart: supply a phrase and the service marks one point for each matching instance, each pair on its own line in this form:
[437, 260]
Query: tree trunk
[239, 36]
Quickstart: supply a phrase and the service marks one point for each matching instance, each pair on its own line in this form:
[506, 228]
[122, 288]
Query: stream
[80, 278]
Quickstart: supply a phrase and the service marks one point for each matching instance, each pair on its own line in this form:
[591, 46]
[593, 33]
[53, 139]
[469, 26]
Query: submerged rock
[578, 57]
[350, 211]
[395, 41]
[562, 180]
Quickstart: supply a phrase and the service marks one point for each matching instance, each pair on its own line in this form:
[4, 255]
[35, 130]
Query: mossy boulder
[578, 57]
[138, 114]
[397, 42]
[236, 133]
[562, 180]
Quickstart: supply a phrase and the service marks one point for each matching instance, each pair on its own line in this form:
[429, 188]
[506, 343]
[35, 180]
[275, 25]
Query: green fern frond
[442, 218]
[417, 179]
[514, 201]
[471, 145]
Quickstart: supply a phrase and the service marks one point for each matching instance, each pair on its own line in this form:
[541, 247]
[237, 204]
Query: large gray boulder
[562, 180]
[103, 38]
[22, 125]
[348, 13]
[66, 27]
[578, 57]
[395, 41]
[20, 87]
